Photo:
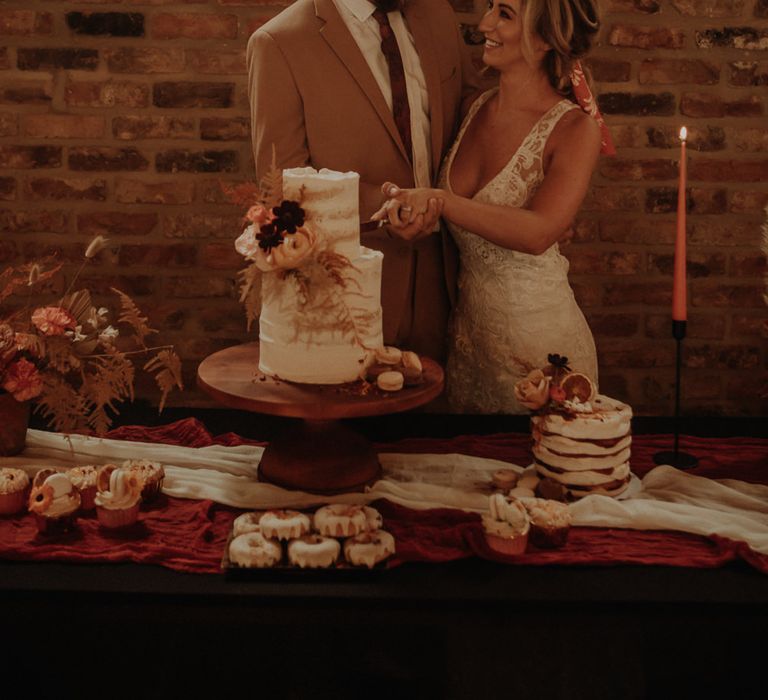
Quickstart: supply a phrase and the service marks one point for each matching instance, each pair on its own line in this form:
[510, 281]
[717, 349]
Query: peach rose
[258, 214]
[295, 249]
[53, 320]
[533, 391]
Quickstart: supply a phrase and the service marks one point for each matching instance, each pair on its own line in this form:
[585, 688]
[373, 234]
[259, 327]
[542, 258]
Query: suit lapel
[420, 27]
[336, 34]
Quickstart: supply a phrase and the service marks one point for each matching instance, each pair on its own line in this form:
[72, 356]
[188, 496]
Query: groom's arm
[277, 112]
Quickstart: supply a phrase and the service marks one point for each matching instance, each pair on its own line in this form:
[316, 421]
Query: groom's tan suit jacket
[314, 99]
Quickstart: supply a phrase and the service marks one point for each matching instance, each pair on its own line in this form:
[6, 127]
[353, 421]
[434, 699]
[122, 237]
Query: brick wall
[122, 118]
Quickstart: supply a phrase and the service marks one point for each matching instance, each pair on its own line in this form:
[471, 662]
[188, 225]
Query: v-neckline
[460, 139]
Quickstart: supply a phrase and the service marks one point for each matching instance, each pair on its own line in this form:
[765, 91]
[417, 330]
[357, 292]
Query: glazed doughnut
[313, 551]
[340, 520]
[254, 550]
[373, 518]
[247, 522]
[369, 548]
[390, 381]
[284, 524]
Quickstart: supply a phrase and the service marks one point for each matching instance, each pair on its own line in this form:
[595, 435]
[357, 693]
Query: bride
[510, 186]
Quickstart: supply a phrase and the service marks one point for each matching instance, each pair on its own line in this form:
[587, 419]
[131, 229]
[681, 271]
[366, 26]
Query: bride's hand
[405, 206]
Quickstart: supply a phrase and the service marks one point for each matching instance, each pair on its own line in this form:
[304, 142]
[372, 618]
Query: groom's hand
[423, 224]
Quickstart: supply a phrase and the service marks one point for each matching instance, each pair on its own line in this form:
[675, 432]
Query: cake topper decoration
[557, 387]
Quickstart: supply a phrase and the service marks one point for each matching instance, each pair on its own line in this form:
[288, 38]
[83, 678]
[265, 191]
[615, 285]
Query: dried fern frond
[271, 184]
[59, 354]
[110, 378]
[62, 407]
[167, 368]
[99, 420]
[246, 194]
[130, 314]
[250, 293]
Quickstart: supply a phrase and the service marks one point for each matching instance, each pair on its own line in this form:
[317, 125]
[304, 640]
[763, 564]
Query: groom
[326, 90]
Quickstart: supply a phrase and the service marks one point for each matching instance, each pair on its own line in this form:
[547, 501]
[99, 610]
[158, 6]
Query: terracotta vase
[14, 420]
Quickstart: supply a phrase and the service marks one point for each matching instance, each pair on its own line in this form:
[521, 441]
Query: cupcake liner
[152, 489]
[507, 545]
[117, 517]
[548, 537]
[87, 496]
[14, 502]
[55, 525]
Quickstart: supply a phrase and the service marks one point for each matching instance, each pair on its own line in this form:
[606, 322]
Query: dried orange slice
[578, 386]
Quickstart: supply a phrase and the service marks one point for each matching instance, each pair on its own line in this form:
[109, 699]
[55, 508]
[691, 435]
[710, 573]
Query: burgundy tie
[400, 109]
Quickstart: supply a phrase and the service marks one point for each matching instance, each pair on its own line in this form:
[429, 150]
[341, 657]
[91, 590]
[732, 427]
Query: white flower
[108, 335]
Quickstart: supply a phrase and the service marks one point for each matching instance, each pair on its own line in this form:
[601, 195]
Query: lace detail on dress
[513, 308]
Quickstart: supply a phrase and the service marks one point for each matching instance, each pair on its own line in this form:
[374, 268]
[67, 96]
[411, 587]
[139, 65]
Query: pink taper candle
[679, 310]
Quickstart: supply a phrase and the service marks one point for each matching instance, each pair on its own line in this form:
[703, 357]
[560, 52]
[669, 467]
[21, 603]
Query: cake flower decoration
[556, 387]
[533, 391]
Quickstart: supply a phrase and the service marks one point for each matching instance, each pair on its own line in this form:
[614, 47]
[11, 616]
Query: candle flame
[683, 133]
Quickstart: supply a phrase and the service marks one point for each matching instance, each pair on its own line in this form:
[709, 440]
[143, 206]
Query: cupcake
[550, 522]
[14, 487]
[54, 500]
[152, 474]
[506, 525]
[118, 496]
[84, 479]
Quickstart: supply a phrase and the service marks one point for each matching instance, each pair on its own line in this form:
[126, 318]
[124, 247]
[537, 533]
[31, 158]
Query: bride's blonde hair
[568, 27]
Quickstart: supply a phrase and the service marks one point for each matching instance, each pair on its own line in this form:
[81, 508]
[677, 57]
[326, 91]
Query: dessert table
[467, 627]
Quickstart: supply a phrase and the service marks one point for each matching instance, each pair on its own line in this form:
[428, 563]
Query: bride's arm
[551, 211]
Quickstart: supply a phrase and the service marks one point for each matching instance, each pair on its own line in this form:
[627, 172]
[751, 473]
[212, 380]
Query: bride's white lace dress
[513, 309]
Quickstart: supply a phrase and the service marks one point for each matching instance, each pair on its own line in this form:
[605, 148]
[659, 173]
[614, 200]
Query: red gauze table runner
[190, 536]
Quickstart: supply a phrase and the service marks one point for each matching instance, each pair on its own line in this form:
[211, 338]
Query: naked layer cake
[581, 439]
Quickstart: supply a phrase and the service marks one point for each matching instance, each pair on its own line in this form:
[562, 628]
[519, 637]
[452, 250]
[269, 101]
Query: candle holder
[675, 458]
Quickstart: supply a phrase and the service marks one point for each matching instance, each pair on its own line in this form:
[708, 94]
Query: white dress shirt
[358, 17]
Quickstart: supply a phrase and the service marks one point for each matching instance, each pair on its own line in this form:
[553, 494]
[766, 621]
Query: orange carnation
[53, 320]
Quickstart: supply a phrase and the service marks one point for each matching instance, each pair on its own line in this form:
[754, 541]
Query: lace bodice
[514, 308]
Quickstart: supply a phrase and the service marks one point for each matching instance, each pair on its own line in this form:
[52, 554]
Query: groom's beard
[388, 5]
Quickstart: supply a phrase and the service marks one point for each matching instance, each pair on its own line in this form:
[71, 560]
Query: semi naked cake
[581, 440]
[321, 289]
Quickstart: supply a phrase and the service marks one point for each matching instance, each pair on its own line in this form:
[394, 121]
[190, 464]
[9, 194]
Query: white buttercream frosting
[311, 329]
[313, 551]
[254, 550]
[13, 480]
[369, 548]
[124, 490]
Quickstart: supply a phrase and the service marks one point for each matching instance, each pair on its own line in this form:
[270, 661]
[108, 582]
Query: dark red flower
[288, 216]
[269, 236]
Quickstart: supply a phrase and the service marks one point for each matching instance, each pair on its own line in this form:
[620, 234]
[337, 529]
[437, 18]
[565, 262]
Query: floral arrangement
[68, 358]
[557, 387]
[279, 238]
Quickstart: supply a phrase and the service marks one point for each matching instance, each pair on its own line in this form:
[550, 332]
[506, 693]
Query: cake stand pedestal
[319, 454]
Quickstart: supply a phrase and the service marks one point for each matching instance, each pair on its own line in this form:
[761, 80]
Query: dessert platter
[321, 357]
[335, 537]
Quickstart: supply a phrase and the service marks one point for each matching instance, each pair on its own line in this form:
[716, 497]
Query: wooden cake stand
[320, 454]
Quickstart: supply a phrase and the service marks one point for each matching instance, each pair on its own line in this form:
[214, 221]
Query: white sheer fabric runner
[668, 500]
